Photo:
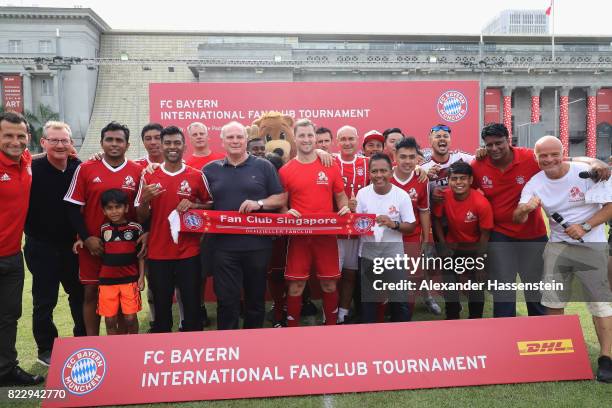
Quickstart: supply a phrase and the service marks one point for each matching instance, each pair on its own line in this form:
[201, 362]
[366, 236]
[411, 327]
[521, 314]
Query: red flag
[549, 9]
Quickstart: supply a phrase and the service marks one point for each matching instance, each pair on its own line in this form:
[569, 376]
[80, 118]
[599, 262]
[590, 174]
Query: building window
[14, 46]
[44, 46]
[47, 87]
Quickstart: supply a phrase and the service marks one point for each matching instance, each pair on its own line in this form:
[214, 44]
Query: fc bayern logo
[193, 221]
[452, 106]
[83, 371]
[363, 224]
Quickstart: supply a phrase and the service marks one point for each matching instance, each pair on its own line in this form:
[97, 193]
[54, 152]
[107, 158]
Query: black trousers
[51, 265]
[164, 276]
[508, 256]
[233, 272]
[11, 288]
[370, 299]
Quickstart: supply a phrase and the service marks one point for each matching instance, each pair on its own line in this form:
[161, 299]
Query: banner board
[413, 106]
[12, 93]
[214, 365]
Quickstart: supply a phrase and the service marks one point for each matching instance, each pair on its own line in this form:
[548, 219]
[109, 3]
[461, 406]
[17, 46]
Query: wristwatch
[397, 226]
[586, 227]
[260, 202]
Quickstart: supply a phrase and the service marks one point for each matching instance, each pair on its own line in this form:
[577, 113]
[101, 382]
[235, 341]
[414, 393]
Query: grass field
[561, 394]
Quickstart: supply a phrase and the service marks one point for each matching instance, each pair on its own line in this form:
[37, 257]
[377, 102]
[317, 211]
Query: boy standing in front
[122, 272]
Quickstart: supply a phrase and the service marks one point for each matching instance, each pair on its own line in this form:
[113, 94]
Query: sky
[575, 17]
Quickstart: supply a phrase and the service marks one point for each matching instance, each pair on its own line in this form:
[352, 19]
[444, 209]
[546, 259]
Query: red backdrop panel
[412, 106]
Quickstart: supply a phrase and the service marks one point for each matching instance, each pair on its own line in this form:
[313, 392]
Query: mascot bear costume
[276, 131]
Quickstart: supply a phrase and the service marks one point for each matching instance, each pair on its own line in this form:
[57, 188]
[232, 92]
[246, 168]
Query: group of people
[113, 213]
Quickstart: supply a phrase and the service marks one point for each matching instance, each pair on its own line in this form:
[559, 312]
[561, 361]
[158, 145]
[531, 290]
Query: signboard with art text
[413, 106]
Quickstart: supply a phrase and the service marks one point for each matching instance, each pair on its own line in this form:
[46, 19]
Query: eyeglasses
[54, 142]
[441, 127]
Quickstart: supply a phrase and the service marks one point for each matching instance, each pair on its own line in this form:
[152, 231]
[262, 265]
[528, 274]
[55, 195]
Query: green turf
[561, 394]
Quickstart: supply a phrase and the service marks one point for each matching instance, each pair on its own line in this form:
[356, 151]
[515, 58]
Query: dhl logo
[532, 348]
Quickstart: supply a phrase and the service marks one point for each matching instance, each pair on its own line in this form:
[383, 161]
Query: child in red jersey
[122, 272]
[470, 221]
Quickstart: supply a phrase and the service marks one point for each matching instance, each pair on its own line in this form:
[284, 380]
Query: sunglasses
[442, 127]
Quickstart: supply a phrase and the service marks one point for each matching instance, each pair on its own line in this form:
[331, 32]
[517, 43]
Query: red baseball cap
[373, 135]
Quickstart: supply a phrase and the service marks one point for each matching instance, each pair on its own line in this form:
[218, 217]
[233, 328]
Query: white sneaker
[433, 307]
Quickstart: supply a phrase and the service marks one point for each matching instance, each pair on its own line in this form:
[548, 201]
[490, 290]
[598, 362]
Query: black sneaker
[604, 369]
[17, 377]
[278, 324]
[309, 309]
[44, 358]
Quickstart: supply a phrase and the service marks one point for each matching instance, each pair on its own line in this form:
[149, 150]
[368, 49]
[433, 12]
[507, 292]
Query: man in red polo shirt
[501, 176]
[202, 155]
[15, 184]
[312, 188]
[90, 180]
[173, 185]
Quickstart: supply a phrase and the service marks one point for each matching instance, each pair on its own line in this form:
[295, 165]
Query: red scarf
[232, 222]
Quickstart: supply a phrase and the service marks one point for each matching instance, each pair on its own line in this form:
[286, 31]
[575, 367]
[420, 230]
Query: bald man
[577, 245]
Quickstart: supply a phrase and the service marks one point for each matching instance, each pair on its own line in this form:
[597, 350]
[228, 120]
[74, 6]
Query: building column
[56, 91]
[564, 119]
[27, 91]
[508, 109]
[591, 122]
[535, 104]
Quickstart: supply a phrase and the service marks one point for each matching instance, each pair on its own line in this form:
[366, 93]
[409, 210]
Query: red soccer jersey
[419, 194]
[467, 218]
[311, 186]
[143, 162]
[15, 186]
[198, 162]
[503, 190]
[119, 262]
[186, 183]
[354, 174]
[94, 177]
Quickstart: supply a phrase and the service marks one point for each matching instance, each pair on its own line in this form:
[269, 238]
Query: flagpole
[553, 12]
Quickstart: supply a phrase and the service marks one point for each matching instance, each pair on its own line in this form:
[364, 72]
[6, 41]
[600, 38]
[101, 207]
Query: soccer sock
[294, 310]
[330, 307]
[342, 313]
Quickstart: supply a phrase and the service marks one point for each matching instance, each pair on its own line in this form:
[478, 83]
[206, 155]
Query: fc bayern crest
[363, 224]
[452, 106]
[193, 221]
[83, 371]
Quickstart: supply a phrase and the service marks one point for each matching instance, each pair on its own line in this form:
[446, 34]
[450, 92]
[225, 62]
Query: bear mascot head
[276, 131]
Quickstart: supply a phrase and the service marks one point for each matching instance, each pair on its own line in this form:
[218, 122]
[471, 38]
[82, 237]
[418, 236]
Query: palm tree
[37, 120]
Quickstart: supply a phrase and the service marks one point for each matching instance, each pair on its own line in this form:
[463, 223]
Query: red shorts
[89, 267]
[126, 295]
[305, 251]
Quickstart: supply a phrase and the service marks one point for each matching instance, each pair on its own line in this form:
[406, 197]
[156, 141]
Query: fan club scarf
[233, 222]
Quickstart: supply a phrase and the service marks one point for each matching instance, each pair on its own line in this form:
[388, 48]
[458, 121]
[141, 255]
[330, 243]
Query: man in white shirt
[395, 217]
[561, 193]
